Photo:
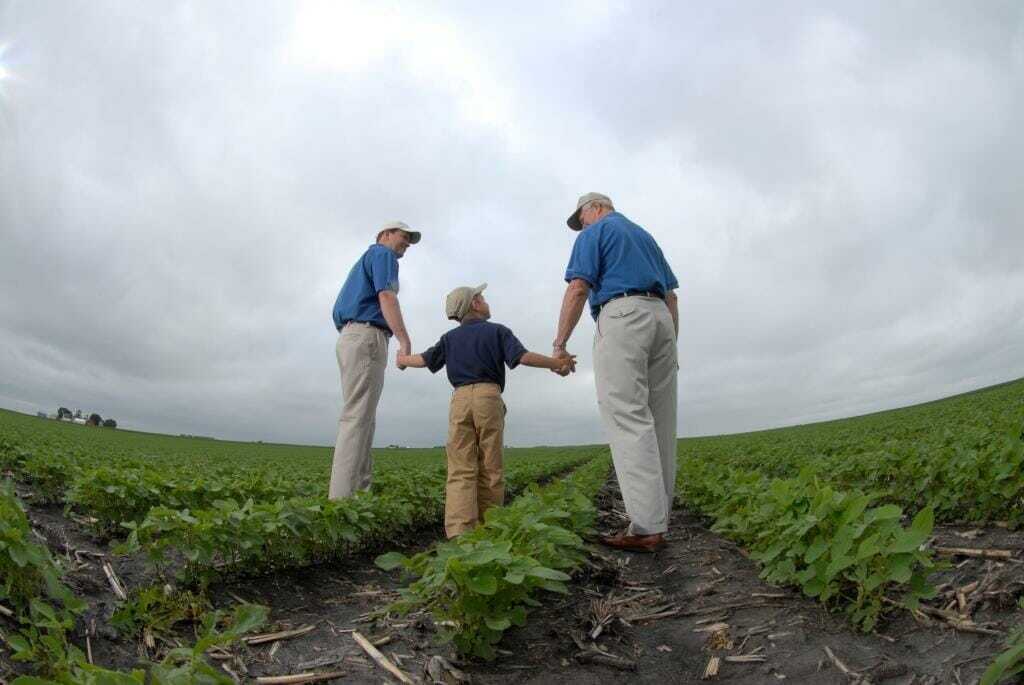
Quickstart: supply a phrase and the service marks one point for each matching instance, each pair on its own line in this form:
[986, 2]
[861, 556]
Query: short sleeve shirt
[375, 271]
[615, 255]
[476, 351]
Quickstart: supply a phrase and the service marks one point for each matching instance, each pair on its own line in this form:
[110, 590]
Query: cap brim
[414, 237]
[573, 221]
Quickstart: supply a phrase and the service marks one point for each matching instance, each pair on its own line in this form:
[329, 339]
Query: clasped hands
[404, 352]
[569, 362]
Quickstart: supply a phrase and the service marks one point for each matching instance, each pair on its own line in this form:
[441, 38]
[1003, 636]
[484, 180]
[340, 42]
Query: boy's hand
[410, 361]
[559, 352]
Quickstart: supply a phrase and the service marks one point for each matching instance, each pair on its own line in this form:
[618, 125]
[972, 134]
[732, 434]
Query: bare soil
[662, 616]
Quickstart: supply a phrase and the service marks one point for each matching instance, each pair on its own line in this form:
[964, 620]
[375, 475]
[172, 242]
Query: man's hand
[404, 350]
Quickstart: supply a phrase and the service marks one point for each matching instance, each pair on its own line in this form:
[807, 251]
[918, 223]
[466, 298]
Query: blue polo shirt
[477, 351]
[614, 255]
[375, 271]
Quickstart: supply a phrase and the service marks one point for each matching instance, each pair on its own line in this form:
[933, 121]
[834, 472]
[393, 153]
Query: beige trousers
[635, 367]
[362, 357]
[476, 479]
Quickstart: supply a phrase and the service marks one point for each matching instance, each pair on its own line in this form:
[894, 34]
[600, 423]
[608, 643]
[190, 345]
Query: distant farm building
[80, 417]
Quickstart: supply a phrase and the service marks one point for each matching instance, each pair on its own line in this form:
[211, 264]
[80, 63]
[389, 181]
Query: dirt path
[660, 613]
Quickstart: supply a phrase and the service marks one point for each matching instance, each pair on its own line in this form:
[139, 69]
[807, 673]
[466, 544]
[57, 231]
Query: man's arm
[392, 312]
[673, 308]
[540, 361]
[572, 307]
[415, 361]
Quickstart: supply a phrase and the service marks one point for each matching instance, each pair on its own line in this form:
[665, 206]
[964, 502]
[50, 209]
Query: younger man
[476, 353]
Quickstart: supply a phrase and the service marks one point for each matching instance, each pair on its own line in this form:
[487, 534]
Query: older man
[631, 290]
[366, 315]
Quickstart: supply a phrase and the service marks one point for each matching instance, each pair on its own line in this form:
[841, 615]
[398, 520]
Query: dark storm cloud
[185, 187]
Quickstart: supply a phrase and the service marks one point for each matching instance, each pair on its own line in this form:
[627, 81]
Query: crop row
[481, 583]
[110, 495]
[98, 445]
[972, 474]
[44, 612]
[231, 536]
[963, 457]
[55, 474]
[831, 543]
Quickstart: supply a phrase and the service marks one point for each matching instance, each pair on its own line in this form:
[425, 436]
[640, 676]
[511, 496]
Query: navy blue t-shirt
[477, 351]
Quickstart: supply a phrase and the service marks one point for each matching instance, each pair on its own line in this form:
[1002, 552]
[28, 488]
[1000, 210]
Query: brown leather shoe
[634, 543]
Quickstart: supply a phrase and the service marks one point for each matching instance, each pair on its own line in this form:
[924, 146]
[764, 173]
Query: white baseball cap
[414, 236]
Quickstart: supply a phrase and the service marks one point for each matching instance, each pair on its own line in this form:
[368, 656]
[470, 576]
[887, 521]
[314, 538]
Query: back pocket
[622, 313]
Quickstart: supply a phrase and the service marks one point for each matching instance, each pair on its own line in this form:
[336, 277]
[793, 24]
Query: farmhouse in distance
[79, 417]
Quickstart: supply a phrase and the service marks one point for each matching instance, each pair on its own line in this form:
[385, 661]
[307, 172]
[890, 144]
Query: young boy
[476, 353]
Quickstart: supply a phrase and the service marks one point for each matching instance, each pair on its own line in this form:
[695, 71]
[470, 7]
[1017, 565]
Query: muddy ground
[637, 618]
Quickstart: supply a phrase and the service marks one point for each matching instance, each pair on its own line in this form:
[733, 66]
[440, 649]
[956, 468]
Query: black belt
[634, 293]
[386, 330]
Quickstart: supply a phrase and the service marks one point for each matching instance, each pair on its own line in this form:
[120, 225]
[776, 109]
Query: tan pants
[635, 369]
[476, 479]
[362, 357]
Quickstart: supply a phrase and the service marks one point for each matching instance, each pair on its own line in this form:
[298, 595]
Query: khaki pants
[635, 367]
[476, 480]
[362, 357]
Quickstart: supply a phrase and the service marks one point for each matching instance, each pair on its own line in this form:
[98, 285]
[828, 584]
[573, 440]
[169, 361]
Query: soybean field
[181, 549]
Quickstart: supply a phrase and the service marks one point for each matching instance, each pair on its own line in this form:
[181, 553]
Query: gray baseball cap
[574, 218]
[456, 305]
[414, 236]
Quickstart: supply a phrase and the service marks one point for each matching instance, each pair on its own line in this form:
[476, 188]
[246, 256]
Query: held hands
[402, 358]
[568, 367]
[568, 362]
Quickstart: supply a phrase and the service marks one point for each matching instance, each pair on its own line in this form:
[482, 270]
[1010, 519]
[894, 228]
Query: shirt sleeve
[384, 270]
[585, 261]
[511, 348]
[435, 357]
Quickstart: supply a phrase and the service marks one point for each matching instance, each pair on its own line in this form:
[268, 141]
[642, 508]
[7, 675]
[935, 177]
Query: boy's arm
[541, 361]
[415, 361]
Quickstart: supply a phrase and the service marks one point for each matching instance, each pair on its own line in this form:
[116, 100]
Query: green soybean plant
[481, 583]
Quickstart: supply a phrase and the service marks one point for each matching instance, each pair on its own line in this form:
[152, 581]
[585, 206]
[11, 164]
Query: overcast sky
[184, 187]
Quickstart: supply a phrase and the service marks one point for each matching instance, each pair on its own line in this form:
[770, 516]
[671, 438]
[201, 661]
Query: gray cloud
[183, 189]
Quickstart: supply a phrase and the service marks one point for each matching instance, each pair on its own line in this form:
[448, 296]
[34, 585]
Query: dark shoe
[634, 543]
